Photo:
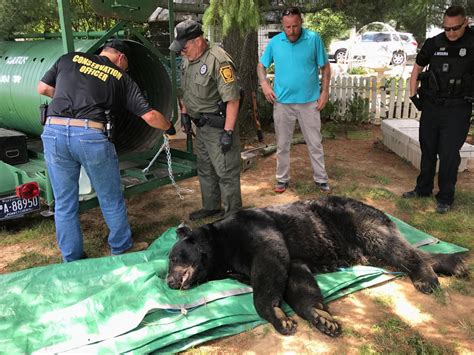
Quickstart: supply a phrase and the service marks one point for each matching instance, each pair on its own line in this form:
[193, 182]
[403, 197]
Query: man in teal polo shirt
[299, 55]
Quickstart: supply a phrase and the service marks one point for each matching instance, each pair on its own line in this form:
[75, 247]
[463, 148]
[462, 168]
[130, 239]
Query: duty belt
[64, 121]
[212, 119]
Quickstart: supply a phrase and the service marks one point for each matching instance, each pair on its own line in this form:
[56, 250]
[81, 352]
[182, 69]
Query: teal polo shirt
[296, 66]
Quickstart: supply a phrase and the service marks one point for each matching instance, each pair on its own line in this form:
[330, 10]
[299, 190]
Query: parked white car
[376, 40]
[409, 43]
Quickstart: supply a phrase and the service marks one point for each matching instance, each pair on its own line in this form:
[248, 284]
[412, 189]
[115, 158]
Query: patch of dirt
[352, 164]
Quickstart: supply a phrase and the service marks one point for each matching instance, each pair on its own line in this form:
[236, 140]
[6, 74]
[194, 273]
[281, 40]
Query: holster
[214, 120]
[429, 82]
[109, 126]
[43, 114]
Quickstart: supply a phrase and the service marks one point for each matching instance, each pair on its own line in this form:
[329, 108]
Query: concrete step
[401, 136]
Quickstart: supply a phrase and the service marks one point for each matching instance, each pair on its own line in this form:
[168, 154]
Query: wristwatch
[229, 132]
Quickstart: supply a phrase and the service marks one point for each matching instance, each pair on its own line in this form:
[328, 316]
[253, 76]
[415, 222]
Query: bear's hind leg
[449, 265]
[304, 296]
[268, 278]
[386, 244]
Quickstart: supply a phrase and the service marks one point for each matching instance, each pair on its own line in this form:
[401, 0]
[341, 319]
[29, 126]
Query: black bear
[278, 249]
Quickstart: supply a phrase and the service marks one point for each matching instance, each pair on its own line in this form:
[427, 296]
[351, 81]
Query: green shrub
[357, 111]
[330, 111]
[357, 71]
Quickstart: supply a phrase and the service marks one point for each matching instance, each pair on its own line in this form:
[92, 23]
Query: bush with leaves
[330, 111]
[356, 113]
[357, 71]
[357, 110]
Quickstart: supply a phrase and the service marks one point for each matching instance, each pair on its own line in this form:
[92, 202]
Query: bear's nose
[172, 282]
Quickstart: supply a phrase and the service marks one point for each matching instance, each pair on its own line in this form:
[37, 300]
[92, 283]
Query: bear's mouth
[185, 284]
[181, 278]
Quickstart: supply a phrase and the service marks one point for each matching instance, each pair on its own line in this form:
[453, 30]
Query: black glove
[417, 102]
[186, 123]
[171, 131]
[226, 141]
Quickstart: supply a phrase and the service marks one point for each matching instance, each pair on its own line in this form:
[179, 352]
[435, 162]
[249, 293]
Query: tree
[328, 23]
[237, 21]
[39, 16]
[27, 16]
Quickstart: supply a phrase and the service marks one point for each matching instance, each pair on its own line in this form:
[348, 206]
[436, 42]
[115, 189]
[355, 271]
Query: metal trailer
[24, 182]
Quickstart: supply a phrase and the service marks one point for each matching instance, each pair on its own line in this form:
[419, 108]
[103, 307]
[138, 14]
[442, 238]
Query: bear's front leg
[304, 296]
[271, 312]
[268, 278]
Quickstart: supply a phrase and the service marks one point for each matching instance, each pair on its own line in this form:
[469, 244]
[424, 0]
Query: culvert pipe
[23, 64]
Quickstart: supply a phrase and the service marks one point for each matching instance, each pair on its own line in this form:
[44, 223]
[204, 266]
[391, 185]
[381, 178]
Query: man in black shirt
[83, 87]
[445, 99]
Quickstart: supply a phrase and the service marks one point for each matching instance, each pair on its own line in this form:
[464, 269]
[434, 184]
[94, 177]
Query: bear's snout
[179, 277]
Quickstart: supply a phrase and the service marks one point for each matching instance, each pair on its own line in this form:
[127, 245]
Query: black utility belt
[211, 119]
[447, 102]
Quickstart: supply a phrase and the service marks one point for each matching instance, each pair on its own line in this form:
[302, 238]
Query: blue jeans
[66, 148]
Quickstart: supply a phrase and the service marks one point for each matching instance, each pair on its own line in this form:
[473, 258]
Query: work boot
[202, 213]
[323, 187]
[410, 194]
[137, 246]
[442, 208]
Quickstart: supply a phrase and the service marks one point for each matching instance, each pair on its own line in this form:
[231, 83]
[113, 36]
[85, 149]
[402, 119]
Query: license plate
[12, 207]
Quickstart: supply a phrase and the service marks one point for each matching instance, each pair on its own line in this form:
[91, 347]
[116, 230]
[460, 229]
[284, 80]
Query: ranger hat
[183, 32]
[119, 45]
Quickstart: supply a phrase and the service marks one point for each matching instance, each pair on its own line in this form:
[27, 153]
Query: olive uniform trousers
[218, 173]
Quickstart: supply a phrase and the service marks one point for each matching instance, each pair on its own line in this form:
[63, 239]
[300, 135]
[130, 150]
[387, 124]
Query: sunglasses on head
[291, 11]
[454, 28]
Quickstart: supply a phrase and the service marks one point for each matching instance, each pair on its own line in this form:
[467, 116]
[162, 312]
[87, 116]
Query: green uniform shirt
[207, 80]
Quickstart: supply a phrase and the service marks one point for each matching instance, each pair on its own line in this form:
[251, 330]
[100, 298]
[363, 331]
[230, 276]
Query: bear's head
[189, 259]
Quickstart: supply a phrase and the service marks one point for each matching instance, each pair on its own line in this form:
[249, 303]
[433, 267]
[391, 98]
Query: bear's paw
[285, 325]
[325, 323]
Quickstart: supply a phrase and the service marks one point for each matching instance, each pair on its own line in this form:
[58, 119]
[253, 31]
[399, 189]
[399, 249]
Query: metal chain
[166, 146]
[170, 171]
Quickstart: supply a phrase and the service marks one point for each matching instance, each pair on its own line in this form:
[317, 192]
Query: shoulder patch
[227, 74]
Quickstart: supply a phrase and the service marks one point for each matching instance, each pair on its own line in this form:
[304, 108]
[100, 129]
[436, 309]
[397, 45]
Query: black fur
[278, 249]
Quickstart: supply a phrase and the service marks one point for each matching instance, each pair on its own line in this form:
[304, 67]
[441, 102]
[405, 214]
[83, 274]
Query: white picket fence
[388, 98]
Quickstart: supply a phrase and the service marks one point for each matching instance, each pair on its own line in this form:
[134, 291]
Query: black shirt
[87, 85]
[430, 46]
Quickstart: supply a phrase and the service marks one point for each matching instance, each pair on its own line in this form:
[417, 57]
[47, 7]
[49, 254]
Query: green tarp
[122, 304]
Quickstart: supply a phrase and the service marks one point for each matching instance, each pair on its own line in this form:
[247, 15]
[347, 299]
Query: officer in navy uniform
[211, 95]
[445, 101]
[83, 87]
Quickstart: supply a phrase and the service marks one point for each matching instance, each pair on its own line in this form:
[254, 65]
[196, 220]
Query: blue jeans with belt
[66, 148]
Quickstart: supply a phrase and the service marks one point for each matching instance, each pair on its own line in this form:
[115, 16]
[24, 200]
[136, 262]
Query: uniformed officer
[83, 87]
[211, 100]
[445, 99]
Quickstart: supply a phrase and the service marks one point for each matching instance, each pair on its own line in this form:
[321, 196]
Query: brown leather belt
[74, 122]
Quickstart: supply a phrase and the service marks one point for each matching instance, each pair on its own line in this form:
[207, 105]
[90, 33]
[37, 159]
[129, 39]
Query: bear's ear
[183, 231]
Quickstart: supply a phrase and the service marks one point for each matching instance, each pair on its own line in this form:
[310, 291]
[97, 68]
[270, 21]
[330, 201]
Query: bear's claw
[285, 325]
[426, 286]
[325, 322]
